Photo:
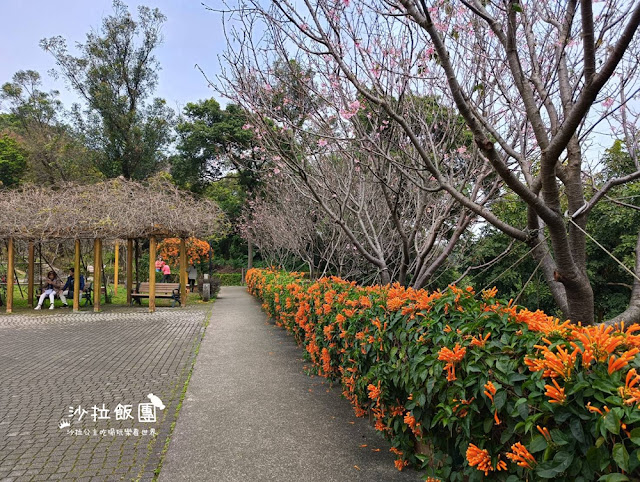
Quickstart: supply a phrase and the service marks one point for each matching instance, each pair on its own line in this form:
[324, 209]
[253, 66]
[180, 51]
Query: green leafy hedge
[467, 386]
[229, 279]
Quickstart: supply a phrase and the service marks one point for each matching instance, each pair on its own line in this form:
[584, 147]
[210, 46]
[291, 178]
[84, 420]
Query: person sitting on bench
[50, 288]
[67, 289]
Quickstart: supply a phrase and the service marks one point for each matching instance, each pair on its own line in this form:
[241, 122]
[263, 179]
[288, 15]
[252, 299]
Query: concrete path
[252, 414]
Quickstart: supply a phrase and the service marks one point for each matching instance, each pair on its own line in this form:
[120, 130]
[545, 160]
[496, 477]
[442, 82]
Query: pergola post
[129, 269]
[152, 274]
[31, 273]
[76, 276]
[10, 255]
[115, 271]
[183, 273]
[97, 273]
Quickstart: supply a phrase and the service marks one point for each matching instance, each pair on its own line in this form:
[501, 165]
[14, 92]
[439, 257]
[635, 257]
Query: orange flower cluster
[541, 322]
[555, 393]
[415, 427]
[490, 391]
[451, 357]
[196, 250]
[464, 410]
[616, 364]
[559, 364]
[594, 344]
[521, 456]
[326, 362]
[598, 343]
[481, 459]
[374, 391]
[480, 341]
[630, 393]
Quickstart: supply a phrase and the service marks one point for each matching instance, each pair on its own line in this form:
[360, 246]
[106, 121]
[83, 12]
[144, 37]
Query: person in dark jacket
[67, 289]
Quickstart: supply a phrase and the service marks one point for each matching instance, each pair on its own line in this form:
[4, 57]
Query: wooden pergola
[116, 209]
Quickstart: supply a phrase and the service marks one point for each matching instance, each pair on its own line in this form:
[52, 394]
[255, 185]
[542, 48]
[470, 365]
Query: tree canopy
[115, 72]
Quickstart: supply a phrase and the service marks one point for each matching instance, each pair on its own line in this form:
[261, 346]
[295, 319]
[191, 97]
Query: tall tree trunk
[632, 313]
[385, 276]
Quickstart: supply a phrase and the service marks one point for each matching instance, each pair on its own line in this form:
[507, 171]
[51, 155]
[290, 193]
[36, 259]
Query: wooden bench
[163, 290]
[87, 293]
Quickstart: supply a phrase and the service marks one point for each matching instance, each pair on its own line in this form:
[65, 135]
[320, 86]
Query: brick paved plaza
[50, 362]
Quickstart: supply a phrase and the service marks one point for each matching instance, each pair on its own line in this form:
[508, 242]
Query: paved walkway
[51, 361]
[251, 414]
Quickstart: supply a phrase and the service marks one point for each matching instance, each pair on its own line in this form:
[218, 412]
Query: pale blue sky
[192, 35]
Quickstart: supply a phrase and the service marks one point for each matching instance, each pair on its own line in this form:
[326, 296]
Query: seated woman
[51, 286]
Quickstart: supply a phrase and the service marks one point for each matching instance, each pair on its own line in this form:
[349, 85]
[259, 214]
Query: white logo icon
[156, 401]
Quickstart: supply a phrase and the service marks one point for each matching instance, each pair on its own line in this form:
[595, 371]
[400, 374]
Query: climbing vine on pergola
[114, 209]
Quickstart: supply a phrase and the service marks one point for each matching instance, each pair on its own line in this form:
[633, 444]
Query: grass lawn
[20, 300]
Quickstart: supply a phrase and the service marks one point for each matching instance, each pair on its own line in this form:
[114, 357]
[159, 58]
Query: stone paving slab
[252, 414]
[55, 360]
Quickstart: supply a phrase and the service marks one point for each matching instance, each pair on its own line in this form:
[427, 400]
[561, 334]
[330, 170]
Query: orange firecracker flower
[489, 390]
[374, 391]
[593, 409]
[555, 393]
[401, 464]
[451, 357]
[410, 420]
[480, 341]
[597, 341]
[481, 459]
[496, 419]
[616, 364]
[394, 304]
[326, 361]
[545, 433]
[521, 456]
[559, 364]
[630, 393]
[396, 451]
[464, 410]
[488, 294]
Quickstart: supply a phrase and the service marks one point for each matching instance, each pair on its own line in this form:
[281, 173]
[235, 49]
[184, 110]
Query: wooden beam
[10, 255]
[152, 274]
[31, 273]
[76, 277]
[129, 269]
[183, 273]
[115, 271]
[97, 273]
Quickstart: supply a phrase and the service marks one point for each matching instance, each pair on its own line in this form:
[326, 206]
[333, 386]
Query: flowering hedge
[465, 385]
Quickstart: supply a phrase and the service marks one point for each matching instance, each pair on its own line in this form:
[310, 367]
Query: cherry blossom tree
[360, 170]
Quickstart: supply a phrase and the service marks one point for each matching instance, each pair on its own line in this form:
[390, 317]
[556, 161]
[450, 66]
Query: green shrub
[467, 386]
[228, 279]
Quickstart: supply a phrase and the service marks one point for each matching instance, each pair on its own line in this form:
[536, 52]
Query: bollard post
[206, 288]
